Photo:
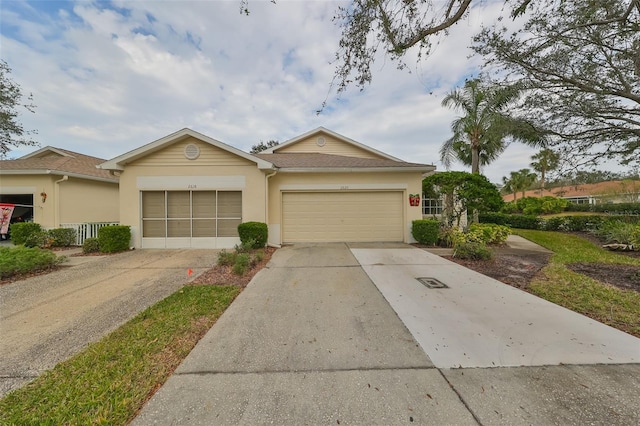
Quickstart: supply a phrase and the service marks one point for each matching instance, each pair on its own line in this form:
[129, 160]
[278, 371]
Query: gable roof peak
[338, 136]
[119, 162]
[48, 149]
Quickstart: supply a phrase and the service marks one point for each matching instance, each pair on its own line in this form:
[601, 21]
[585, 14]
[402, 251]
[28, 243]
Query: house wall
[331, 146]
[168, 169]
[43, 213]
[82, 201]
[72, 201]
[408, 182]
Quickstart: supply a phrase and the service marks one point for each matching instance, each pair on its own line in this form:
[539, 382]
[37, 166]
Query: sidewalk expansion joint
[460, 397]
[311, 371]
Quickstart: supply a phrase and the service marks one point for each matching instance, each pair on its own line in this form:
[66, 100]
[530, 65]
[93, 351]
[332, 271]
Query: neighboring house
[56, 187]
[615, 191]
[189, 190]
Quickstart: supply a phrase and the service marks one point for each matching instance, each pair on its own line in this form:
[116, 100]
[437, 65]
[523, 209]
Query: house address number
[344, 187]
[192, 186]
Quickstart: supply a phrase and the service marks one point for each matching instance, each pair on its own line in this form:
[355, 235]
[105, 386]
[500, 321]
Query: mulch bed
[622, 276]
[516, 270]
[223, 275]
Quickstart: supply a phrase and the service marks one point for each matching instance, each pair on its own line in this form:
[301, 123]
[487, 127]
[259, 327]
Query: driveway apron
[309, 341]
[48, 318]
[312, 340]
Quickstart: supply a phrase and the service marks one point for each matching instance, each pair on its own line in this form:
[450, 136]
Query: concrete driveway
[48, 318]
[327, 335]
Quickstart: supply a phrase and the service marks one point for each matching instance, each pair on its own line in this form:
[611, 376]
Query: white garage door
[342, 216]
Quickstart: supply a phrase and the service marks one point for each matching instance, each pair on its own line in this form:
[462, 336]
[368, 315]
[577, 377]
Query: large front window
[191, 213]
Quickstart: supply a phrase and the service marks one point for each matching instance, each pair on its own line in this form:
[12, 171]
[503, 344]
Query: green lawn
[109, 381]
[605, 303]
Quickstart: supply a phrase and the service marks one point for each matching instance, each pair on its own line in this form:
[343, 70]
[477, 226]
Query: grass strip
[110, 380]
[608, 304]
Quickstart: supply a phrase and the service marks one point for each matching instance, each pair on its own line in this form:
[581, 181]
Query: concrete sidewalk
[312, 340]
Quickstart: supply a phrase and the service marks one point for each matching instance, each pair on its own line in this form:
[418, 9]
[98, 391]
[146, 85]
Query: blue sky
[108, 77]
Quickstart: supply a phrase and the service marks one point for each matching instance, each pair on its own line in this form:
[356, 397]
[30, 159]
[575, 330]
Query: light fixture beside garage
[191, 151]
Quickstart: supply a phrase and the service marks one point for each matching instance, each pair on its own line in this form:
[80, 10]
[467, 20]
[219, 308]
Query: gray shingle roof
[321, 161]
[73, 163]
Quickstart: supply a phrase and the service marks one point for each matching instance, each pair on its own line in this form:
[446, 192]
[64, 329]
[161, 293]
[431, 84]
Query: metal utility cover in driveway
[430, 282]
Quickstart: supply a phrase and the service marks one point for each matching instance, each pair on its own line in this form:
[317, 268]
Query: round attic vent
[191, 151]
[320, 141]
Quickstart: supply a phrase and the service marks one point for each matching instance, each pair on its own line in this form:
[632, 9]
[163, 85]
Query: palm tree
[480, 134]
[522, 180]
[544, 161]
[508, 186]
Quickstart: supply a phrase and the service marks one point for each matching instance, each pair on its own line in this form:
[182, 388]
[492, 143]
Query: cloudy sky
[108, 77]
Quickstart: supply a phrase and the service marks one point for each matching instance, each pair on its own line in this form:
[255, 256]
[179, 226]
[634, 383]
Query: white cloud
[108, 78]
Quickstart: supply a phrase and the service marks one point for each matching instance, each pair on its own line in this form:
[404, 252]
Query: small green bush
[256, 231]
[426, 231]
[21, 230]
[259, 256]
[114, 238]
[245, 246]
[490, 232]
[226, 258]
[616, 231]
[91, 245]
[635, 240]
[62, 237]
[23, 260]
[38, 239]
[472, 251]
[242, 264]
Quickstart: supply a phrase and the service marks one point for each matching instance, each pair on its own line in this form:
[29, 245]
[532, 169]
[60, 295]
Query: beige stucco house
[190, 190]
[56, 187]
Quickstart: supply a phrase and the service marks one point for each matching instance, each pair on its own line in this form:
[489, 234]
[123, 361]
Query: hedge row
[558, 223]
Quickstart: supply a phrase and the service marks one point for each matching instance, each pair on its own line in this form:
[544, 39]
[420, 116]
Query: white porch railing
[86, 230]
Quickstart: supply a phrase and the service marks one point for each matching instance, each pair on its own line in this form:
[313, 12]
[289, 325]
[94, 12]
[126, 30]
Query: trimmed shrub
[472, 251]
[21, 230]
[490, 233]
[62, 237]
[425, 231]
[91, 245]
[582, 223]
[555, 223]
[512, 220]
[256, 231]
[114, 238]
[38, 239]
[22, 260]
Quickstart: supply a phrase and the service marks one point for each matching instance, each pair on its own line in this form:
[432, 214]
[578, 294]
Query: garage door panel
[342, 216]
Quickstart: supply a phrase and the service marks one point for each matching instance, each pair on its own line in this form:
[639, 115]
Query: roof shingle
[320, 161]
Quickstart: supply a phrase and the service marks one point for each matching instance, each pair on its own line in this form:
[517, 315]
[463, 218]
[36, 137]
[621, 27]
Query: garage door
[342, 216]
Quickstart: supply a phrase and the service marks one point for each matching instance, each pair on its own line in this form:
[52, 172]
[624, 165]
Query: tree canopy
[262, 146]
[580, 63]
[12, 133]
[462, 191]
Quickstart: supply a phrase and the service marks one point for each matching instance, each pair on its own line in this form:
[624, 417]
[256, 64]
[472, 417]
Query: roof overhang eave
[354, 169]
[57, 173]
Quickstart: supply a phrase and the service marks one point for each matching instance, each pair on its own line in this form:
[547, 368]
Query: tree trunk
[475, 156]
